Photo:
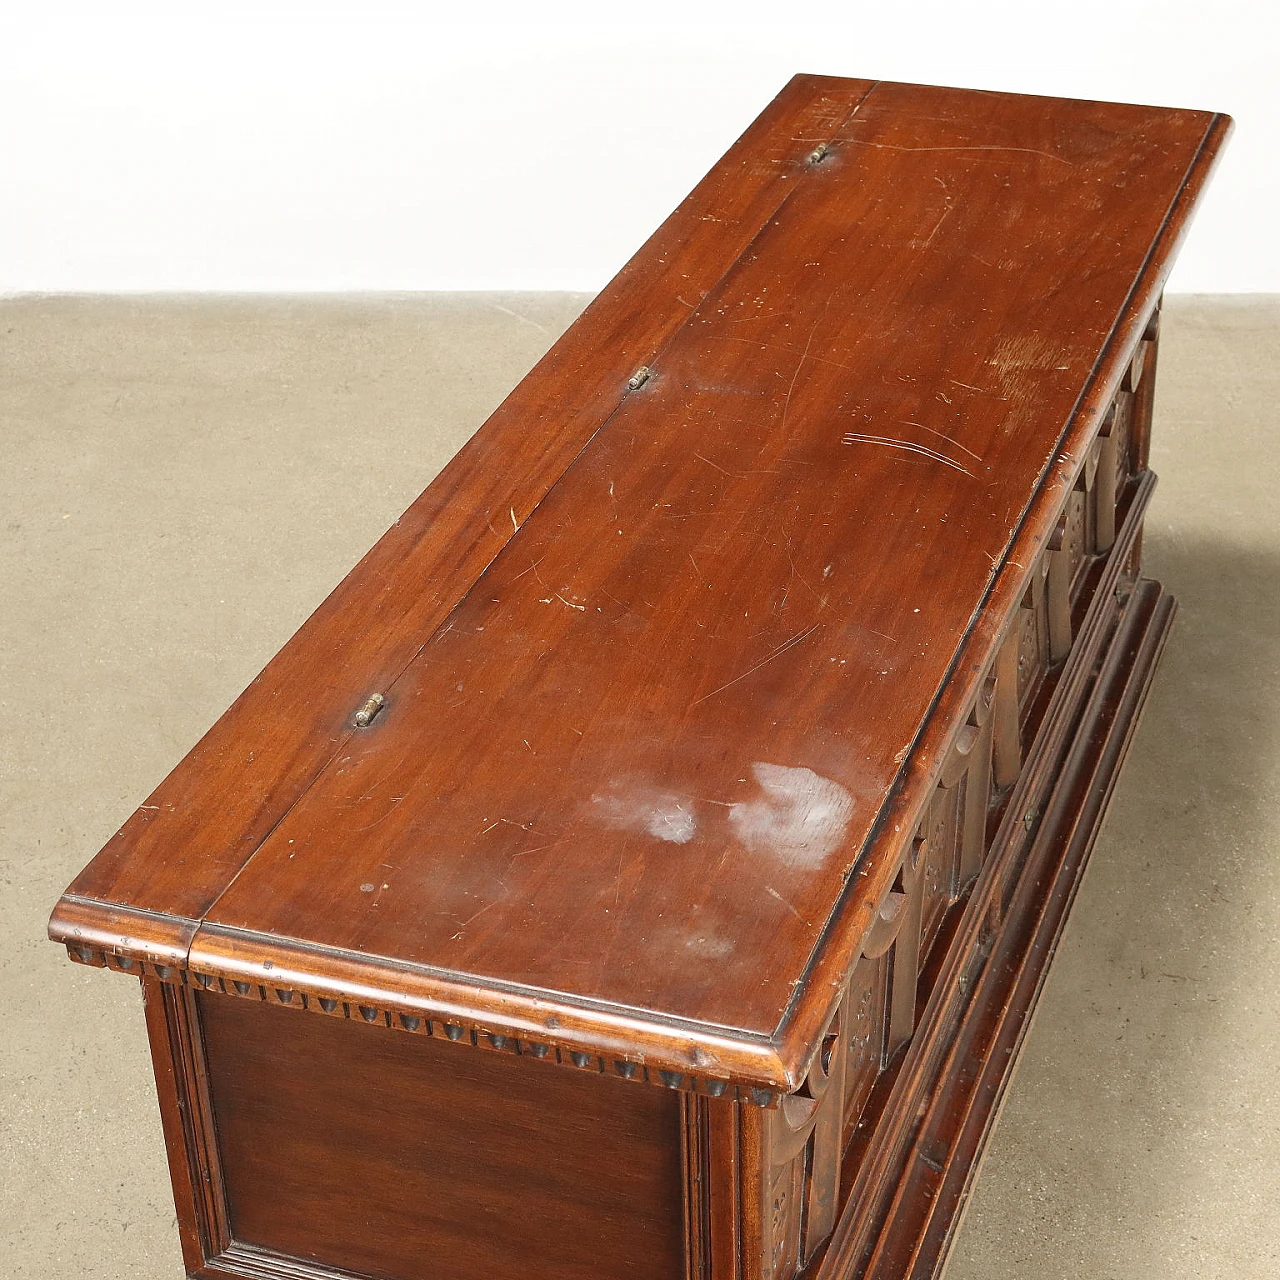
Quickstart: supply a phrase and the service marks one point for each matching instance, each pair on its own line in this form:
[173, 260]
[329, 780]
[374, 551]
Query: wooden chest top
[668, 653]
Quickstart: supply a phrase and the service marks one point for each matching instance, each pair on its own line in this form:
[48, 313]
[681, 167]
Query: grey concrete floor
[182, 480]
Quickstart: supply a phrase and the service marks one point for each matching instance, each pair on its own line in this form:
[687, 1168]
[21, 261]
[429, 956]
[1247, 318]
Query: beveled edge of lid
[547, 1026]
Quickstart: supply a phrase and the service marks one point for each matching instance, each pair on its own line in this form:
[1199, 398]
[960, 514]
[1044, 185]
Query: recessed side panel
[404, 1158]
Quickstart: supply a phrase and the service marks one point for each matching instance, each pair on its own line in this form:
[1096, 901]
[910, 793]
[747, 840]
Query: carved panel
[805, 1146]
[1122, 429]
[1074, 546]
[865, 1013]
[1033, 635]
[786, 1197]
[942, 829]
[1087, 526]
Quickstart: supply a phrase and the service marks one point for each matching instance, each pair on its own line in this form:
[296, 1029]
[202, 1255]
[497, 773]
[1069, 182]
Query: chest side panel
[405, 1159]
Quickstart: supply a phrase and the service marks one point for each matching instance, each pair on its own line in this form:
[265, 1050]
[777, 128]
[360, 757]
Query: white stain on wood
[635, 805]
[798, 816]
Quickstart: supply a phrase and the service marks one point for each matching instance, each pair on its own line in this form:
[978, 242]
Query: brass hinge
[367, 713]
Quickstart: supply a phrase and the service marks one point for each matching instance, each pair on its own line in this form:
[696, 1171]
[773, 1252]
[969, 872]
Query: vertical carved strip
[1123, 431]
[1033, 634]
[1144, 393]
[1124, 437]
[784, 1209]
[941, 830]
[866, 1019]
[800, 1161]
[1059, 590]
[1106, 490]
[1007, 738]
[827, 1144]
[905, 964]
[694, 1157]
[177, 1056]
[973, 842]
[754, 1128]
[1089, 477]
[713, 1188]
[1132, 377]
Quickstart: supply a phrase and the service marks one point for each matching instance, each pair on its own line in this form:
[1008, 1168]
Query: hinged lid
[661, 654]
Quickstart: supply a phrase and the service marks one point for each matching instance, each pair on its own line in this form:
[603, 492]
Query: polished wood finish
[733, 716]
[573, 1176]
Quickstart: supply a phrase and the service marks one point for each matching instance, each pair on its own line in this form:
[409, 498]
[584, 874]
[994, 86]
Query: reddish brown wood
[177, 1055]
[689, 623]
[422, 1174]
[776, 671]
[837, 948]
[261, 756]
[738, 711]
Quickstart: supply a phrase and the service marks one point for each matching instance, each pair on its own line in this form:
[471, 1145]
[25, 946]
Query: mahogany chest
[645, 862]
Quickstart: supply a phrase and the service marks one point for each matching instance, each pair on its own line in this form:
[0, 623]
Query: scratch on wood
[804, 355]
[786, 404]
[717, 466]
[487, 907]
[889, 146]
[795, 573]
[854, 437]
[796, 639]
[773, 893]
[976, 457]
[764, 346]
[524, 853]
[948, 205]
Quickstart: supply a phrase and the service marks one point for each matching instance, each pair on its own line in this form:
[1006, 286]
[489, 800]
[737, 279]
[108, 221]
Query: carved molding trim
[437, 1028]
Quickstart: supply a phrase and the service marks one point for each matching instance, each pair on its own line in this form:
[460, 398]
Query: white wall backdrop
[331, 146]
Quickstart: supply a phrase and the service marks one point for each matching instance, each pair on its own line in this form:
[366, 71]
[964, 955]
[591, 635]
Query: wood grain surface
[425, 1174]
[658, 661]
